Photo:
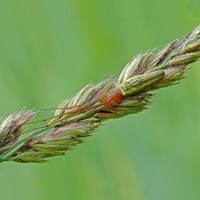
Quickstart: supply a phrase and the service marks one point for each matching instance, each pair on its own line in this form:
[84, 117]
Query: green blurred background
[51, 49]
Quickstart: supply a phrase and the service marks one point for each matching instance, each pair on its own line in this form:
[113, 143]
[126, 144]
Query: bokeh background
[51, 49]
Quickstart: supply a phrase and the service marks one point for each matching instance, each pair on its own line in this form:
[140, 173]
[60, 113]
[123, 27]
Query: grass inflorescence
[76, 118]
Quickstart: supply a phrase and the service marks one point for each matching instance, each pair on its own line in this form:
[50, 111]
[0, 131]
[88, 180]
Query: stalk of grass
[78, 117]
